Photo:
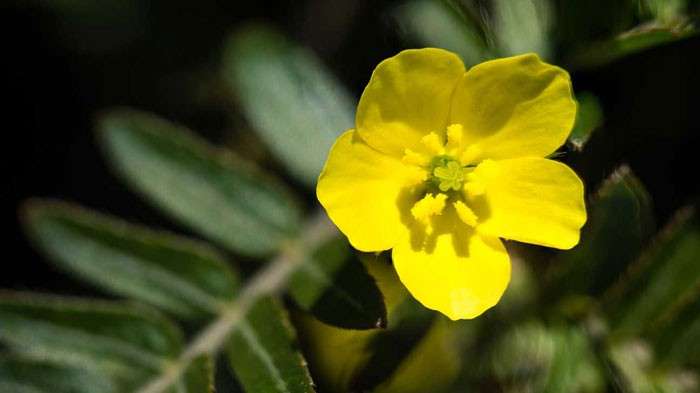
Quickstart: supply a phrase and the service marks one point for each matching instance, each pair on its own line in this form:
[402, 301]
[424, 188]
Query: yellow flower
[443, 162]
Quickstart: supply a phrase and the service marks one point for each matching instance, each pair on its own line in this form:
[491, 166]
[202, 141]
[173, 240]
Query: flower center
[447, 173]
[450, 166]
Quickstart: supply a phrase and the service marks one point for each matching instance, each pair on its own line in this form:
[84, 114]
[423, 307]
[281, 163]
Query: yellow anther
[410, 157]
[470, 155]
[433, 143]
[455, 134]
[429, 206]
[465, 213]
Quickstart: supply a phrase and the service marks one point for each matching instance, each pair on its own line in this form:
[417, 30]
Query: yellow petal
[454, 270]
[407, 97]
[361, 190]
[532, 200]
[514, 107]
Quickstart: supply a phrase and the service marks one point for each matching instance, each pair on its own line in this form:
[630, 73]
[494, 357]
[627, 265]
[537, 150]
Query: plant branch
[271, 279]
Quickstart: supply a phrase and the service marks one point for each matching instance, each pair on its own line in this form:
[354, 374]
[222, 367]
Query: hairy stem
[269, 280]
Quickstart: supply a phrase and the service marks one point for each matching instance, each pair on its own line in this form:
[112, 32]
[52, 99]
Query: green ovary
[447, 173]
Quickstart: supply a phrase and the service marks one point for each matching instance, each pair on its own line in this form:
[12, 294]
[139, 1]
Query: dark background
[59, 70]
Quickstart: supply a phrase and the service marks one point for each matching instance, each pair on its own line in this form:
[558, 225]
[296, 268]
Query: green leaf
[180, 275]
[583, 21]
[297, 107]
[636, 40]
[264, 353]
[210, 190]
[677, 341]
[636, 369]
[662, 283]
[25, 375]
[664, 10]
[523, 26]
[414, 353]
[589, 116]
[521, 358]
[335, 287]
[199, 376]
[128, 344]
[408, 326]
[442, 25]
[620, 223]
[574, 367]
[533, 357]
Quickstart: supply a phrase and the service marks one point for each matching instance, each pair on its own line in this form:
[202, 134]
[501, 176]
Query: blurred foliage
[589, 117]
[620, 312]
[297, 107]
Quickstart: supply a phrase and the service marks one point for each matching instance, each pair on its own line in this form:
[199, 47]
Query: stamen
[433, 144]
[470, 155]
[429, 206]
[465, 213]
[455, 134]
[410, 157]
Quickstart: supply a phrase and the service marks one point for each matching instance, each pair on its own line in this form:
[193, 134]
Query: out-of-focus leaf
[177, 274]
[297, 107]
[532, 357]
[589, 116]
[677, 340]
[174, 273]
[199, 376]
[128, 344]
[27, 375]
[210, 190]
[633, 359]
[414, 354]
[635, 362]
[24, 375]
[334, 354]
[432, 364]
[522, 357]
[263, 352]
[408, 326]
[676, 334]
[580, 21]
[523, 26]
[335, 287]
[620, 222]
[437, 23]
[664, 10]
[523, 288]
[636, 40]
[662, 283]
[574, 367]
